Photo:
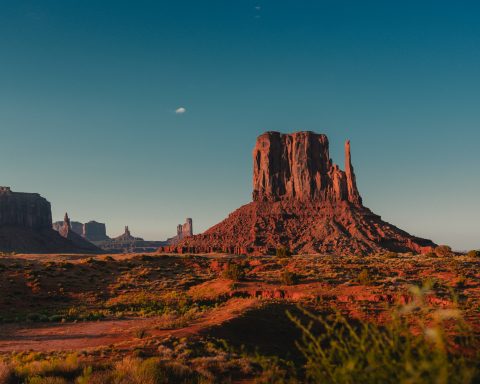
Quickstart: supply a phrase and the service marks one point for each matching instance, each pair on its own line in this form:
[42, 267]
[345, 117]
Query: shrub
[473, 253]
[338, 350]
[140, 333]
[282, 252]
[364, 277]
[289, 278]
[151, 371]
[391, 255]
[443, 250]
[461, 282]
[234, 271]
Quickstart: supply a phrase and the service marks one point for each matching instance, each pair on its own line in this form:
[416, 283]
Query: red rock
[26, 226]
[79, 242]
[304, 202]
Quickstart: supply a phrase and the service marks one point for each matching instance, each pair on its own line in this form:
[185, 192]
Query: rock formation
[79, 241]
[304, 202]
[26, 225]
[183, 231]
[92, 231]
[28, 210]
[76, 226]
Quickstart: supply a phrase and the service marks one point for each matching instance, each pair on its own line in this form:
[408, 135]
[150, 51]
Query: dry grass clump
[34, 365]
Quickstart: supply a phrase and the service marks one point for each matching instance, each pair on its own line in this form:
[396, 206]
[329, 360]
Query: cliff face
[304, 202]
[26, 225]
[78, 241]
[94, 231]
[28, 210]
[297, 166]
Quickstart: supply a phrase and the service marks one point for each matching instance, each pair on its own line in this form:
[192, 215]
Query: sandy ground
[85, 335]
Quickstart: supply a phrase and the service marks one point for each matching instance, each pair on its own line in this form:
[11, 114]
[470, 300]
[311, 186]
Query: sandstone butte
[304, 202]
[26, 226]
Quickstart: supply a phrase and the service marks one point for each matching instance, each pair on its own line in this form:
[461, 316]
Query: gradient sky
[89, 89]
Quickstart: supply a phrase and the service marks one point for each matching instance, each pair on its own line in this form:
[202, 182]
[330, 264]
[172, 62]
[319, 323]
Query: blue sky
[89, 90]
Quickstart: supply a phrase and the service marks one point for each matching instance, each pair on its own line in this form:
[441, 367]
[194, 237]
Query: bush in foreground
[364, 353]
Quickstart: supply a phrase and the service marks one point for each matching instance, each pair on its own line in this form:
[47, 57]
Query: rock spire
[298, 166]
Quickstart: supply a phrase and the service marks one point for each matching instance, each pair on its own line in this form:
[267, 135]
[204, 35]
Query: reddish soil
[83, 335]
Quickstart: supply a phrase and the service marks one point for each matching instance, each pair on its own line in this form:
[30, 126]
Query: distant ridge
[26, 226]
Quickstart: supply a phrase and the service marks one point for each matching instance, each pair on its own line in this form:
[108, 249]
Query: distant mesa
[183, 231]
[92, 231]
[26, 226]
[79, 241]
[304, 202]
[126, 243]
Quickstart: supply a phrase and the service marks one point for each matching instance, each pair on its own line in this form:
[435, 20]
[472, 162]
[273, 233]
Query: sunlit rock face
[304, 202]
[298, 166]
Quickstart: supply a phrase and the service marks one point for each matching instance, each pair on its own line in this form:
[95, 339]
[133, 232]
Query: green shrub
[282, 252]
[234, 271]
[443, 250]
[339, 350]
[289, 278]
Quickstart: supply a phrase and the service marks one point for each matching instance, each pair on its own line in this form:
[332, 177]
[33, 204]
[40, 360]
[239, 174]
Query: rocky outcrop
[304, 202]
[80, 242]
[27, 210]
[26, 225]
[94, 231]
[75, 225]
[183, 231]
[126, 243]
[298, 166]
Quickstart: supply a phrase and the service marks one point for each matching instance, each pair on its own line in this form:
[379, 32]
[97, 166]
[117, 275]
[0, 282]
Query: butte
[304, 202]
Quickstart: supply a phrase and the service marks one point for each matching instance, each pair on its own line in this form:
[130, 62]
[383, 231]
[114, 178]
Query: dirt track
[84, 335]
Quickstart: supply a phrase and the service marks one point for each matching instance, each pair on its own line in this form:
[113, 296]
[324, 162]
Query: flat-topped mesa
[28, 210]
[298, 166]
[26, 226]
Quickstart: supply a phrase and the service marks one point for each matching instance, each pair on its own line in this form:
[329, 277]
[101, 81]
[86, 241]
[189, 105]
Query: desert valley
[304, 284]
[239, 192]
